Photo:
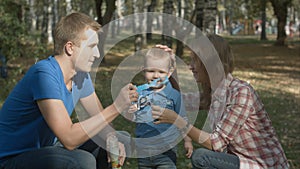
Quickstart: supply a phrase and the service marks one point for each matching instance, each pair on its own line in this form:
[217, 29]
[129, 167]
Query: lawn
[273, 71]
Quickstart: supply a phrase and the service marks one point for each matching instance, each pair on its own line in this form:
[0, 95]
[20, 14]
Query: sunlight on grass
[270, 81]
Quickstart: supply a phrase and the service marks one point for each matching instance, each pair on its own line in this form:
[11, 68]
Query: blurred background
[264, 35]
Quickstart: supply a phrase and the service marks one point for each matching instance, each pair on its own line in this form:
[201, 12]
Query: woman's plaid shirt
[244, 127]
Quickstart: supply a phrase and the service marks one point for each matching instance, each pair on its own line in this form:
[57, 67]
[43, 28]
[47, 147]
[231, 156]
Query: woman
[241, 133]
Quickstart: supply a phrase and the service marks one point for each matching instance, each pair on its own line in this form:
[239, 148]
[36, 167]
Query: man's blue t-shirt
[159, 134]
[22, 126]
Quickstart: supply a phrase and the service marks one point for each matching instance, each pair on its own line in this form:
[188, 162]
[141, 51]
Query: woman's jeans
[57, 157]
[207, 159]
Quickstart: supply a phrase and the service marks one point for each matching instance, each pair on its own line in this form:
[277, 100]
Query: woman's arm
[169, 116]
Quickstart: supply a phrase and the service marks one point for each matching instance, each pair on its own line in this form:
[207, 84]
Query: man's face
[158, 68]
[87, 52]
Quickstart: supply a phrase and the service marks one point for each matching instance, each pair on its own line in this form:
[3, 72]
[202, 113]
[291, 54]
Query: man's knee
[85, 160]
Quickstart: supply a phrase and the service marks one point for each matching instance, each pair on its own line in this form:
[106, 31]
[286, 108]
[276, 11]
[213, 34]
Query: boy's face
[157, 68]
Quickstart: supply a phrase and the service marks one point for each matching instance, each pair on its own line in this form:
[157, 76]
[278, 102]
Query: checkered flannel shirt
[244, 128]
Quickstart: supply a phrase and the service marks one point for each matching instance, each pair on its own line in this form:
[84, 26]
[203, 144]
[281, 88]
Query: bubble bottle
[113, 145]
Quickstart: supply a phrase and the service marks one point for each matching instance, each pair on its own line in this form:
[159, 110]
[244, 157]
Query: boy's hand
[189, 148]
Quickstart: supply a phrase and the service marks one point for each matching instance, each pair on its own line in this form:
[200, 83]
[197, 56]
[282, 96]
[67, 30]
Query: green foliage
[13, 34]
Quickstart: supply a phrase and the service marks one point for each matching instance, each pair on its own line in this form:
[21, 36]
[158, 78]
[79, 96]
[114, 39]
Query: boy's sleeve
[180, 107]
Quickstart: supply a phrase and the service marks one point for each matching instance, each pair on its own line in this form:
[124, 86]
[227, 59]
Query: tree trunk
[133, 17]
[113, 26]
[229, 8]
[179, 48]
[140, 39]
[84, 7]
[167, 29]
[223, 17]
[68, 6]
[280, 10]
[44, 35]
[151, 8]
[179, 43]
[32, 16]
[54, 15]
[119, 16]
[210, 13]
[263, 18]
[103, 20]
[99, 11]
[182, 33]
[199, 7]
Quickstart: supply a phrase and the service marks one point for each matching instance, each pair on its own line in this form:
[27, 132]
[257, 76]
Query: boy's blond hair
[160, 54]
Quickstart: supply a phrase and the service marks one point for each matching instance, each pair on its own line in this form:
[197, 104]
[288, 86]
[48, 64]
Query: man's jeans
[57, 157]
[206, 159]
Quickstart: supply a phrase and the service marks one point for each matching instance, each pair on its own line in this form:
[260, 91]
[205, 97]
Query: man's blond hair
[71, 28]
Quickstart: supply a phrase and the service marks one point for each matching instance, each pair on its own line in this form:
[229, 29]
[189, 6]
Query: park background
[264, 36]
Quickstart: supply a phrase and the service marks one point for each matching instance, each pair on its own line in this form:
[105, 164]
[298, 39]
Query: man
[38, 109]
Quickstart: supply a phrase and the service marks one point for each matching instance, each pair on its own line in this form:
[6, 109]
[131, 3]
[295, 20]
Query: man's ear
[69, 48]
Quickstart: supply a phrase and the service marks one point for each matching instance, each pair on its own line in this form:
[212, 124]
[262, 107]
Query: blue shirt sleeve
[82, 86]
[46, 83]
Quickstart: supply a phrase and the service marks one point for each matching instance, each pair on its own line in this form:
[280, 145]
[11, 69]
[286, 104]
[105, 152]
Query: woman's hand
[167, 49]
[163, 115]
[164, 47]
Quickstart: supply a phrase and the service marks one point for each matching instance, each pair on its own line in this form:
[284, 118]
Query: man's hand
[122, 154]
[127, 95]
[133, 108]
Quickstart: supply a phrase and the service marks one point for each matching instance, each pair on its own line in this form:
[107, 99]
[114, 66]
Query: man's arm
[73, 134]
[92, 104]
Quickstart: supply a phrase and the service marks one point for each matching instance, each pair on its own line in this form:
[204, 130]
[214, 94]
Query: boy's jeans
[166, 160]
[203, 158]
